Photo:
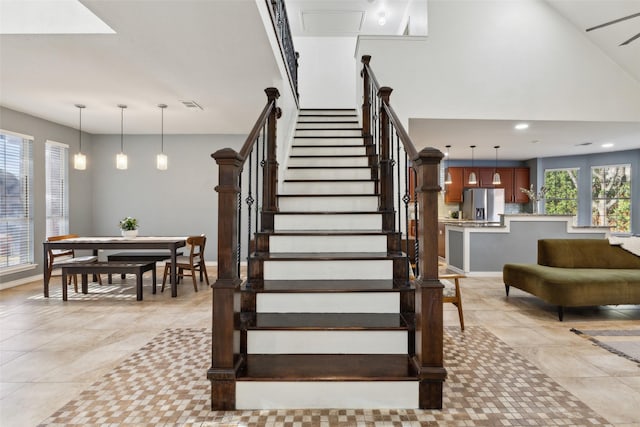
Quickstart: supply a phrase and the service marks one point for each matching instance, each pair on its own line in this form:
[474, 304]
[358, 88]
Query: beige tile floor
[51, 350]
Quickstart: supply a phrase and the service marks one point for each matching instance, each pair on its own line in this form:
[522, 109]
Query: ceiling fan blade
[630, 40]
[615, 21]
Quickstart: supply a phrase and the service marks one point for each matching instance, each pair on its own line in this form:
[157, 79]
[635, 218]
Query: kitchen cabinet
[512, 179]
[465, 177]
[520, 180]
[453, 191]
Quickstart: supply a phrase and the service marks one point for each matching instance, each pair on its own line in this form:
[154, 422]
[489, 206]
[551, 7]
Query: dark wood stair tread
[323, 321]
[329, 195]
[325, 233]
[290, 286]
[327, 367]
[328, 213]
[329, 167]
[330, 180]
[329, 146]
[327, 136]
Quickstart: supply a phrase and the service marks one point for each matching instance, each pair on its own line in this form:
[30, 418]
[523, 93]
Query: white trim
[23, 281]
[19, 135]
[56, 143]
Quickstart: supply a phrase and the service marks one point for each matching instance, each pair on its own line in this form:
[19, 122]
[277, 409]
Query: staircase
[327, 317]
[328, 311]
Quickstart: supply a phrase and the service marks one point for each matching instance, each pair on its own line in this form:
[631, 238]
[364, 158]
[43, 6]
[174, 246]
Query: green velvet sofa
[578, 272]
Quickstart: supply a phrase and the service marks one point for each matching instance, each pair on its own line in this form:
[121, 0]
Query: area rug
[623, 342]
[164, 383]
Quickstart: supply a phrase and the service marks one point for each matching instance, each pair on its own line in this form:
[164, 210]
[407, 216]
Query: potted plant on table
[129, 227]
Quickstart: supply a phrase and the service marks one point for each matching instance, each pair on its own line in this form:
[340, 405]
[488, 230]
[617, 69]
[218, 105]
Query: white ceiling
[209, 51]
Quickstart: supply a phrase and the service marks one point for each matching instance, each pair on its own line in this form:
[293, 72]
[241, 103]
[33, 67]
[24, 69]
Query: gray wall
[585, 162]
[179, 201]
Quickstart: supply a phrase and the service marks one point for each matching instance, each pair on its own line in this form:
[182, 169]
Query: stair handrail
[380, 123]
[259, 150]
[280, 21]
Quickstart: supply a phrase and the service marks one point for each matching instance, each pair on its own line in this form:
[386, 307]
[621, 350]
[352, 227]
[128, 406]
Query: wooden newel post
[270, 177]
[429, 324]
[366, 97]
[386, 167]
[222, 371]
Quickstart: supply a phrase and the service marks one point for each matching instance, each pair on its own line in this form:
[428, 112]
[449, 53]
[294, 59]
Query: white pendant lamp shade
[448, 179]
[162, 161]
[79, 159]
[496, 176]
[121, 158]
[473, 179]
[122, 162]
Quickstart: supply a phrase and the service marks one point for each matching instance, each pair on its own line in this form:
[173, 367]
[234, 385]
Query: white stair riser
[328, 151]
[328, 112]
[319, 302]
[326, 394]
[341, 173]
[327, 342]
[328, 141]
[328, 161]
[328, 132]
[358, 187]
[329, 270]
[306, 244]
[328, 125]
[328, 204]
[328, 222]
[304, 119]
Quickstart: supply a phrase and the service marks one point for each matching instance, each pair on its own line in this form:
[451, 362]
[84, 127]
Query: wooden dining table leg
[45, 264]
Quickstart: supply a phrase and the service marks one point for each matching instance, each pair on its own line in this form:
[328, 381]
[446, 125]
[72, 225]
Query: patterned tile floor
[164, 384]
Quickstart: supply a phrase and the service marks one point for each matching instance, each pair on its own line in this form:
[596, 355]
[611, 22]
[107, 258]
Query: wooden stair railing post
[222, 372]
[366, 98]
[386, 167]
[429, 322]
[270, 177]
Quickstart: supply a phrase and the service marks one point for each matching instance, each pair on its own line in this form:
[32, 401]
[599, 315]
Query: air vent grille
[191, 104]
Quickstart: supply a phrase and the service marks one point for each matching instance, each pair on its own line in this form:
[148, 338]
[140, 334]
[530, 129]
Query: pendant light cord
[121, 129]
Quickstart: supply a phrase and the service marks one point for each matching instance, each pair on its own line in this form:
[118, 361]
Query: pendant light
[161, 159]
[473, 180]
[121, 158]
[496, 175]
[447, 179]
[80, 160]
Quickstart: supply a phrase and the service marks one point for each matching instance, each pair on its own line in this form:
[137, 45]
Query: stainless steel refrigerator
[483, 204]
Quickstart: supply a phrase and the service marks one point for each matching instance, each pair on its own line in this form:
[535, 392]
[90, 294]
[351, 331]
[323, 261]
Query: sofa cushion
[584, 253]
[574, 287]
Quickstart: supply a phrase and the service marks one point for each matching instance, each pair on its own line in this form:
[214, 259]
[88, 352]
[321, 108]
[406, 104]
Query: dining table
[111, 243]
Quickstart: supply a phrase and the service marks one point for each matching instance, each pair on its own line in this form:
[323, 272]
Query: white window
[611, 197]
[57, 203]
[562, 191]
[16, 201]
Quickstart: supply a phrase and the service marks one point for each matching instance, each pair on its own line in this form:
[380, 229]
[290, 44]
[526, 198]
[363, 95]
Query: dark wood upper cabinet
[453, 191]
[520, 180]
[511, 179]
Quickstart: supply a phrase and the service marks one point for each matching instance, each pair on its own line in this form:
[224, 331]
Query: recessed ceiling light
[521, 126]
[607, 145]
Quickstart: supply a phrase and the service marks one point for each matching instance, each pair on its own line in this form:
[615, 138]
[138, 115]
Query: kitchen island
[481, 248]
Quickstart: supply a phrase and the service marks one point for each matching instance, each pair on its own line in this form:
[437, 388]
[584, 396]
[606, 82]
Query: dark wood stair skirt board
[327, 367]
[325, 321]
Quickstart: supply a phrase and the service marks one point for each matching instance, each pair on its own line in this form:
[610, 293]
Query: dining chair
[194, 262]
[452, 294]
[58, 257]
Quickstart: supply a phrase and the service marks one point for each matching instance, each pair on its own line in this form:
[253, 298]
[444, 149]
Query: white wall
[501, 60]
[327, 72]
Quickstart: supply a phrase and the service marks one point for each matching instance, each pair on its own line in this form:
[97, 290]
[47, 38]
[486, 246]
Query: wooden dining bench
[137, 268]
[131, 256]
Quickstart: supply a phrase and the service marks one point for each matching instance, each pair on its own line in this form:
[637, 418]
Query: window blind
[16, 200]
[57, 201]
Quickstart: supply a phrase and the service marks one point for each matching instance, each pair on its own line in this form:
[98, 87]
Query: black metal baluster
[257, 206]
[397, 184]
[416, 256]
[262, 164]
[406, 200]
[239, 251]
[249, 200]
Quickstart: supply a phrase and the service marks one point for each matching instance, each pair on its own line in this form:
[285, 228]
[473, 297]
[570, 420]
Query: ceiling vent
[584, 144]
[191, 104]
